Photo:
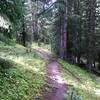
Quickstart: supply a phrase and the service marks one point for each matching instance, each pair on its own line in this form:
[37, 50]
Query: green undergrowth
[42, 46]
[22, 74]
[85, 84]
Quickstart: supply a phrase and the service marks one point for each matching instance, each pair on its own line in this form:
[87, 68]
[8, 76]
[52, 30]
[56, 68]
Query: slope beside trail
[53, 78]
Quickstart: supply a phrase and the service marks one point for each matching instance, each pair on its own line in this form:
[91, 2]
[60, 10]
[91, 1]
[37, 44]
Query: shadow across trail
[53, 77]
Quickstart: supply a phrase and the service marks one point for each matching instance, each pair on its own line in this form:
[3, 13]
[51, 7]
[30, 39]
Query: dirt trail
[53, 77]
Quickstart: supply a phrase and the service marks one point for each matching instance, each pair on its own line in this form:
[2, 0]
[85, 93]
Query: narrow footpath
[53, 77]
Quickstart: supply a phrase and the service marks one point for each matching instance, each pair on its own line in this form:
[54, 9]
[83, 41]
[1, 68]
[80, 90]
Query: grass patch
[85, 83]
[72, 94]
[22, 74]
[45, 47]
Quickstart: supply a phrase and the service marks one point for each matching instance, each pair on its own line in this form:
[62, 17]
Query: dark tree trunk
[24, 38]
[63, 38]
[78, 58]
[23, 35]
[91, 19]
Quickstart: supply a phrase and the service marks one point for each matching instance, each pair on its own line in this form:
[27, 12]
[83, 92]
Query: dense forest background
[70, 27]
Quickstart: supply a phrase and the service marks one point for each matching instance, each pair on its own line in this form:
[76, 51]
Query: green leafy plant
[72, 95]
[5, 65]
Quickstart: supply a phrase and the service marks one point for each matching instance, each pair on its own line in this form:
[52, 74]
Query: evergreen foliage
[72, 27]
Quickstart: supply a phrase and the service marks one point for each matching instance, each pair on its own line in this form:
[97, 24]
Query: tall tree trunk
[91, 32]
[23, 34]
[63, 39]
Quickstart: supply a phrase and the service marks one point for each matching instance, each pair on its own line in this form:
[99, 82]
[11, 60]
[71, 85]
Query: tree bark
[63, 38]
[91, 11]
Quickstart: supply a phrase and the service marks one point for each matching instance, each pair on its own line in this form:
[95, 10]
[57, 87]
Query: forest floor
[22, 74]
[40, 76]
[76, 83]
[80, 82]
[54, 83]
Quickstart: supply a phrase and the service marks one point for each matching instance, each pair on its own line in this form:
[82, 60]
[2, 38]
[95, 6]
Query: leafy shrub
[5, 65]
[72, 95]
[4, 39]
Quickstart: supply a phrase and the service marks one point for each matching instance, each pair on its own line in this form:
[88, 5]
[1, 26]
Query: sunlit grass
[85, 83]
[42, 46]
[26, 75]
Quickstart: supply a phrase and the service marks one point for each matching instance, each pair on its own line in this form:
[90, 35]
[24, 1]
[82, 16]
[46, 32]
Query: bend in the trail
[53, 77]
